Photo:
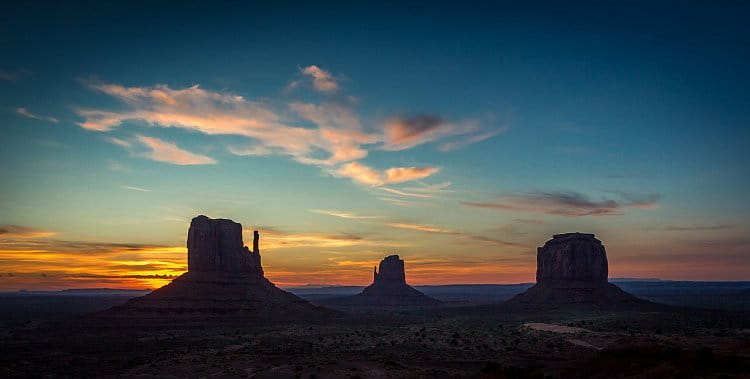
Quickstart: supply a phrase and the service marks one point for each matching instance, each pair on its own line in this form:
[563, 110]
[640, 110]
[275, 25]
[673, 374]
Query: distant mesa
[388, 288]
[224, 277]
[572, 269]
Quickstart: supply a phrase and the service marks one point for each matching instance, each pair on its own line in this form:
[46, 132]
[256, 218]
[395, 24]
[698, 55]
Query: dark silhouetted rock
[391, 270]
[388, 288]
[224, 278]
[215, 245]
[572, 258]
[572, 269]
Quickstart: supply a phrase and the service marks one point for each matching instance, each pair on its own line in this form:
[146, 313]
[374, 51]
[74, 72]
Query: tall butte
[224, 278]
[572, 269]
[388, 288]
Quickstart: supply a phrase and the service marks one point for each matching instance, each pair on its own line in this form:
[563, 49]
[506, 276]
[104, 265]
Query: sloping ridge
[388, 288]
[224, 278]
[572, 270]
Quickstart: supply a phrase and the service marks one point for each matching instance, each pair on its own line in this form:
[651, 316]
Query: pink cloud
[323, 81]
[24, 112]
[168, 152]
[365, 175]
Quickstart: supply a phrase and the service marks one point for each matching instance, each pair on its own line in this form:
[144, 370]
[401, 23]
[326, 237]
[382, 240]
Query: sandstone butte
[224, 278]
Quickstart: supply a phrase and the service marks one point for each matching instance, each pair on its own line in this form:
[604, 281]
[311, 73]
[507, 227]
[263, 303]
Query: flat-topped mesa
[391, 271]
[215, 245]
[572, 259]
[572, 271]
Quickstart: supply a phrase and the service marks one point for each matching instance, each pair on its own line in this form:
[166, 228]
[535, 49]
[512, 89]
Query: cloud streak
[168, 152]
[401, 133]
[337, 138]
[329, 134]
[276, 239]
[569, 204]
[16, 231]
[697, 228]
[346, 215]
[408, 194]
[25, 112]
[420, 227]
[13, 76]
[366, 175]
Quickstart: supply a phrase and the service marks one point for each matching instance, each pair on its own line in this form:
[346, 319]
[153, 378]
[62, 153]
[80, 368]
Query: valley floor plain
[706, 333]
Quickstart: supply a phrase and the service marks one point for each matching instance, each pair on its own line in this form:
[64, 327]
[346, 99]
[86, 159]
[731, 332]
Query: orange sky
[40, 260]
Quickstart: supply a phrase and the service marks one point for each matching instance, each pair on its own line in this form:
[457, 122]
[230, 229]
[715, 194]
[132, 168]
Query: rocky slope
[224, 278]
[388, 288]
[572, 269]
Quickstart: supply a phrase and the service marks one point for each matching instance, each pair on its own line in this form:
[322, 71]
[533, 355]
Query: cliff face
[391, 271]
[224, 279]
[388, 288]
[215, 245]
[572, 259]
[572, 270]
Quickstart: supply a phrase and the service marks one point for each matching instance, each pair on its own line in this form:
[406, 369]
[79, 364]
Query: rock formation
[216, 246]
[572, 269]
[224, 278]
[388, 288]
[572, 258]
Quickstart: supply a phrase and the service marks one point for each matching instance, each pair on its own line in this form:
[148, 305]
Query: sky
[458, 137]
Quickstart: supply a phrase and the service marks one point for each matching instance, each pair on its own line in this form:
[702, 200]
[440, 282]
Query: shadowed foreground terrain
[223, 318]
[488, 341]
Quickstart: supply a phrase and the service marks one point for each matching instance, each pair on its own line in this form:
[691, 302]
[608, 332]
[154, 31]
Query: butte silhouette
[223, 277]
[388, 288]
[572, 269]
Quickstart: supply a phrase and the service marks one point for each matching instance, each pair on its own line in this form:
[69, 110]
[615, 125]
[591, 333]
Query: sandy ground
[555, 328]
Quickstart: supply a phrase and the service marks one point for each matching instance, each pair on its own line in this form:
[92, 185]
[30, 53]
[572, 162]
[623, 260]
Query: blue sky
[458, 137]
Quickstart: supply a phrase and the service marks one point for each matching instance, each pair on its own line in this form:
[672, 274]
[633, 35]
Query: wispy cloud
[46, 262]
[420, 227]
[570, 204]
[366, 175]
[138, 189]
[220, 113]
[119, 142]
[328, 135]
[394, 201]
[458, 234]
[404, 133]
[470, 140]
[168, 152]
[697, 228]
[25, 112]
[276, 239]
[408, 194]
[494, 241]
[431, 188]
[340, 132]
[13, 76]
[117, 167]
[323, 81]
[340, 214]
[401, 133]
[17, 231]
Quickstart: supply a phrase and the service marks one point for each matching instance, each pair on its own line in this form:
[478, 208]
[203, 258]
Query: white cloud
[347, 215]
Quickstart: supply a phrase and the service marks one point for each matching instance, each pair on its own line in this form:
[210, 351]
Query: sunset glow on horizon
[459, 147]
